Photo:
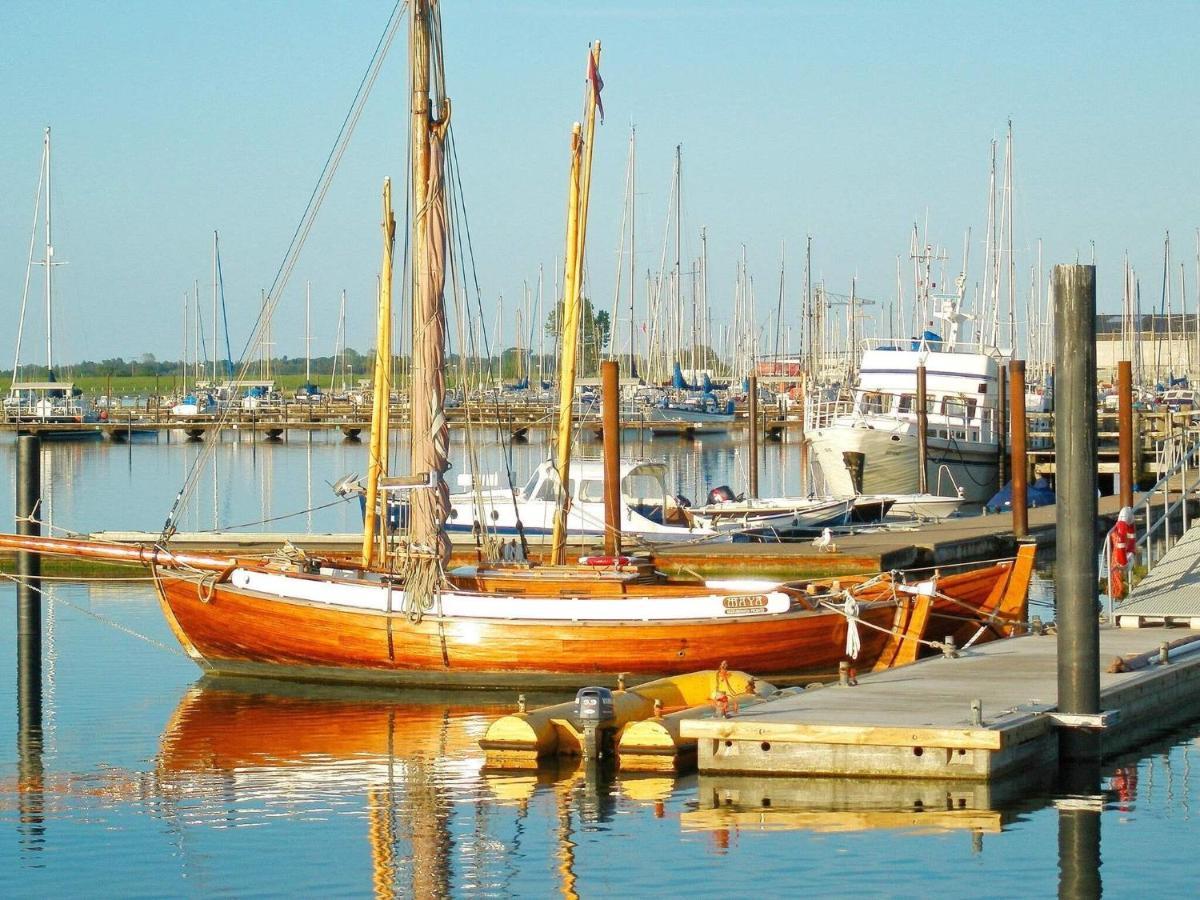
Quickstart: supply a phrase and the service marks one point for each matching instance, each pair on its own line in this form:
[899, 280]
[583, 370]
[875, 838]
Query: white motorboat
[649, 513]
[775, 516]
[922, 507]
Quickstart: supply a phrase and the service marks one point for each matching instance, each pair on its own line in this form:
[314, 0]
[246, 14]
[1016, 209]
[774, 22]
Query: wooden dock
[916, 722]
[920, 721]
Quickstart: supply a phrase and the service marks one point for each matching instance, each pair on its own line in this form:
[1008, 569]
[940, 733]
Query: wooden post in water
[1002, 427]
[803, 437]
[752, 417]
[922, 432]
[29, 600]
[610, 396]
[1075, 572]
[1020, 466]
[1125, 430]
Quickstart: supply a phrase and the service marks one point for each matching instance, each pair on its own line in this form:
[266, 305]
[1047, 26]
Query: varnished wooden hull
[239, 633]
[233, 631]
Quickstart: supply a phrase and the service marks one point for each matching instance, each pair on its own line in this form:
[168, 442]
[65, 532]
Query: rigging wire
[299, 237]
[37, 204]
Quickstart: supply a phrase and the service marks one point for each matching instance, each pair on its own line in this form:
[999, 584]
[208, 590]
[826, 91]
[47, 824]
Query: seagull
[824, 541]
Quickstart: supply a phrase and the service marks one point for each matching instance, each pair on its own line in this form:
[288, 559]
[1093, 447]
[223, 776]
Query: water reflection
[282, 486]
[755, 803]
[195, 785]
[239, 752]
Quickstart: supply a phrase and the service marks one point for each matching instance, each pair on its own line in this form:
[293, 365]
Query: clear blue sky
[847, 121]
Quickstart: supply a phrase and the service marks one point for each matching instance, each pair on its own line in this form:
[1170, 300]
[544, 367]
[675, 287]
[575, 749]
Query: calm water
[152, 782]
[284, 486]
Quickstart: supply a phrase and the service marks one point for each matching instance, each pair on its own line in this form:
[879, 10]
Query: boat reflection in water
[241, 752]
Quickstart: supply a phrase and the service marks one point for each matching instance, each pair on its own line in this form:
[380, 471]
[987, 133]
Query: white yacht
[868, 445]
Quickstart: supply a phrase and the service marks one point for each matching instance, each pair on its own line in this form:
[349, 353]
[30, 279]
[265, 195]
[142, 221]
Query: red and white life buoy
[1122, 545]
[604, 561]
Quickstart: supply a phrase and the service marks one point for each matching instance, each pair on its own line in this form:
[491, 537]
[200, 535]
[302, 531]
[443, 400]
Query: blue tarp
[1037, 494]
[931, 339]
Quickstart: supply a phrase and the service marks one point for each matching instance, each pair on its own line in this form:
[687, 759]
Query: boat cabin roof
[43, 386]
[593, 469]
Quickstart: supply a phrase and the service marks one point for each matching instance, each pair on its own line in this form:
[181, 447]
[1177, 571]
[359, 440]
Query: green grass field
[147, 385]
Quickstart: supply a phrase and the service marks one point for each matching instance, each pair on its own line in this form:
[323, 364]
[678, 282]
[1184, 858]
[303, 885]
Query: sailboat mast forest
[395, 613]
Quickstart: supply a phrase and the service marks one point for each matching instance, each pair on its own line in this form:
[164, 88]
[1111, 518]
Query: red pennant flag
[597, 83]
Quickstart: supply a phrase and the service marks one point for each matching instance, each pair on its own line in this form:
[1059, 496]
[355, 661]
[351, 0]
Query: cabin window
[548, 490]
[905, 403]
[872, 402]
[591, 491]
[954, 407]
[530, 486]
[640, 489]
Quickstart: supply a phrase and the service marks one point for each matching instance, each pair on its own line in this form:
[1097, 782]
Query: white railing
[819, 413]
[1155, 508]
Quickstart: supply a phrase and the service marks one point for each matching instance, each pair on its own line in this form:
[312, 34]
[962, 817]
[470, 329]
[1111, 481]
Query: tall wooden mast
[430, 433]
[377, 456]
[577, 205]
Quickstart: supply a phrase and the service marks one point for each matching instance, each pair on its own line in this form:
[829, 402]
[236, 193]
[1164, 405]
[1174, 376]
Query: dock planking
[917, 721]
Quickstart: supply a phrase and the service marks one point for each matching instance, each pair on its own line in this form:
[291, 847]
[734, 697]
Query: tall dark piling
[29, 570]
[922, 432]
[1125, 430]
[752, 417]
[1075, 574]
[1020, 464]
[1079, 832]
[29, 641]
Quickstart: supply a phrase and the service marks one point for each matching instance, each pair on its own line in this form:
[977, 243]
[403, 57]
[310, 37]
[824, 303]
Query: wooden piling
[610, 395]
[922, 432]
[1075, 574]
[1020, 465]
[752, 417]
[1125, 430]
[802, 436]
[1002, 428]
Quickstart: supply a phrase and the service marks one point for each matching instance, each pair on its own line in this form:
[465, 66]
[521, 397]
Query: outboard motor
[594, 710]
[722, 494]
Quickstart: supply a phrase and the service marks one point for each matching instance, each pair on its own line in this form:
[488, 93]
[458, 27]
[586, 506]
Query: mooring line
[99, 618]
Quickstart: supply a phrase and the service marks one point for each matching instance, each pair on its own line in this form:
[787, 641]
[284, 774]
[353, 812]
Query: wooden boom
[137, 554]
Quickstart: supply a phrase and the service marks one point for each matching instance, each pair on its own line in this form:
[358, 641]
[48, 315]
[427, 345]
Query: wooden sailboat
[395, 614]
